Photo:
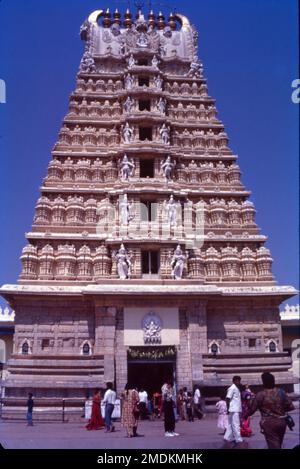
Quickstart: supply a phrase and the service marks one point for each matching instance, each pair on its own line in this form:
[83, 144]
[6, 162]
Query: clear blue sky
[249, 50]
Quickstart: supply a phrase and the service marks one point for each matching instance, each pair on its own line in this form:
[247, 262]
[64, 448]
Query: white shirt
[109, 397]
[197, 396]
[233, 393]
[143, 396]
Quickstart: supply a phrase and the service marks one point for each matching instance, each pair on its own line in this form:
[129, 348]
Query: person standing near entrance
[109, 401]
[168, 408]
[130, 410]
[143, 396]
[30, 404]
[234, 409]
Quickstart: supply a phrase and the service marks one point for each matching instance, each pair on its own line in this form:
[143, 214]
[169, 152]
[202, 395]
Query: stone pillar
[183, 363]
[197, 338]
[105, 329]
[121, 355]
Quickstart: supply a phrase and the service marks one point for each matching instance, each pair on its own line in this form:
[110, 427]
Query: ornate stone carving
[152, 327]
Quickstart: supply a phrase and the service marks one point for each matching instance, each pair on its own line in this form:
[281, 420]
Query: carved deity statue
[131, 61]
[196, 68]
[128, 105]
[167, 167]
[125, 211]
[142, 40]
[161, 105]
[127, 133]
[158, 82]
[152, 332]
[171, 208]
[127, 168]
[123, 263]
[164, 132]
[177, 263]
[129, 81]
[155, 62]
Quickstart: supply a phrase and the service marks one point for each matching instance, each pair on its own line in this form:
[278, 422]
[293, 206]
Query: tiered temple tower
[144, 260]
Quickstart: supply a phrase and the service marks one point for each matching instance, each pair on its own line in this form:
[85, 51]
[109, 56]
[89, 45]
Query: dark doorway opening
[147, 168]
[144, 105]
[144, 81]
[145, 133]
[150, 376]
[150, 262]
[143, 62]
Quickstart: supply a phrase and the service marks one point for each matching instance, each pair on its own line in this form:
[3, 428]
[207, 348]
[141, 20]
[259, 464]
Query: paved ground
[193, 435]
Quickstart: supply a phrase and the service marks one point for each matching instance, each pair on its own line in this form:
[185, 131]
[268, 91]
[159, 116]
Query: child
[29, 410]
[189, 407]
[223, 417]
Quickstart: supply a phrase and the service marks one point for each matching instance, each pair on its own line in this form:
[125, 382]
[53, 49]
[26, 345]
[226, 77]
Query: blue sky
[250, 55]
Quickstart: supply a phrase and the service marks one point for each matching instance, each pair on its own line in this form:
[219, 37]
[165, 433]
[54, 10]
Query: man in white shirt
[109, 401]
[198, 403]
[234, 408]
[143, 403]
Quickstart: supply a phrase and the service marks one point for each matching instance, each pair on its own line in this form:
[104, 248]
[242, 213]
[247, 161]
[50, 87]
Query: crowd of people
[234, 410]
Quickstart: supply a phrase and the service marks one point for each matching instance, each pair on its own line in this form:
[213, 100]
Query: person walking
[96, 421]
[234, 409]
[30, 405]
[190, 407]
[130, 410]
[273, 404]
[222, 415]
[109, 401]
[246, 396]
[180, 404]
[168, 408]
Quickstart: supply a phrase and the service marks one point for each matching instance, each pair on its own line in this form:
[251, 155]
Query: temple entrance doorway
[151, 367]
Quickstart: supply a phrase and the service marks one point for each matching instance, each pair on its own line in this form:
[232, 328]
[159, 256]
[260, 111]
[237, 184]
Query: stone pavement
[193, 435]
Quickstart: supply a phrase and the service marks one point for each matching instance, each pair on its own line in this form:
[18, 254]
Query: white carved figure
[128, 105]
[131, 61]
[155, 62]
[152, 332]
[177, 263]
[171, 209]
[87, 64]
[196, 68]
[167, 167]
[142, 40]
[127, 168]
[158, 82]
[127, 133]
[129, 81]
[165, 134]
[123, 263]
[125, 211]
[161, 105]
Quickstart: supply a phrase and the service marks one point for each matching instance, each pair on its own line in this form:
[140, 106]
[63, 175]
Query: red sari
[96, 421]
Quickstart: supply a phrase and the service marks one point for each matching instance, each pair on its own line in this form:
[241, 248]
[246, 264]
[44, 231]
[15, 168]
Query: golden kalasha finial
[117, 17]
[161, 21]
[128, 19]
[172, 21]
[151, 19]
[107, 20]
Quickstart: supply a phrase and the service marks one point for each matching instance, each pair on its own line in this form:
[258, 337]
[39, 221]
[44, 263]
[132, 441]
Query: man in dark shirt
[29, 410]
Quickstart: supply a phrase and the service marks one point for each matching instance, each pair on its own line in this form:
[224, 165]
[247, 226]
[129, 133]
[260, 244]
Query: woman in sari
[96, 421]
[246, 397]
[130, 412]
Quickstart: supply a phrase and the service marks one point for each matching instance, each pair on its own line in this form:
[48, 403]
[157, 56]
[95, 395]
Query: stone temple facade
[144, 260]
